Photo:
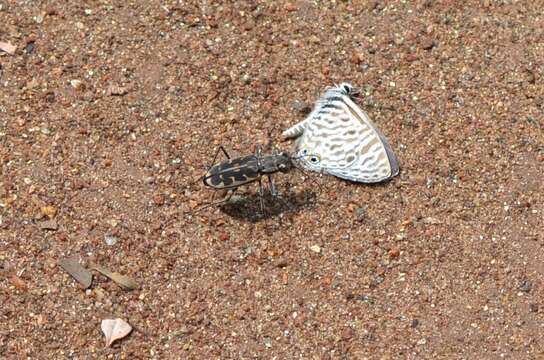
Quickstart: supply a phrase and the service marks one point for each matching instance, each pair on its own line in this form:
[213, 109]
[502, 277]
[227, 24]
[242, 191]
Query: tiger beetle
[233, 173]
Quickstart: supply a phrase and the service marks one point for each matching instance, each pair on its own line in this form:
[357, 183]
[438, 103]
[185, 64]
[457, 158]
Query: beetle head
[284, 162]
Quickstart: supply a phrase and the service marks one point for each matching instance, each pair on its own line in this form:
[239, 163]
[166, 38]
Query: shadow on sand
[247, 206]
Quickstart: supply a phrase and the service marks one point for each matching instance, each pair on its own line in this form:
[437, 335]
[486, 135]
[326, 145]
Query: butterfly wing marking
[349, 146]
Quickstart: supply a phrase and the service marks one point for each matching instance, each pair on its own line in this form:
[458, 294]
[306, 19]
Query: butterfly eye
[347, 88]
[314, 159]
[305, 152]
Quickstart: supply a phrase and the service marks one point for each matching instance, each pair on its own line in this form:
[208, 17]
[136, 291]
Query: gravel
[116, 110]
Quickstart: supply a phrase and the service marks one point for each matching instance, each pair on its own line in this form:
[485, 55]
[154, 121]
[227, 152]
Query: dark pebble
[30, 47]
[525, 286]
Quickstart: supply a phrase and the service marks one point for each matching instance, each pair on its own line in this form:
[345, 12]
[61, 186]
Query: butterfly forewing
[340, 140]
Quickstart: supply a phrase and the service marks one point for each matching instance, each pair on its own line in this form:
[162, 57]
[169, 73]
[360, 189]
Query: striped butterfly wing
[339, 139]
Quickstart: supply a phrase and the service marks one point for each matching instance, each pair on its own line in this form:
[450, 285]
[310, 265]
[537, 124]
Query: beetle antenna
[304, 172]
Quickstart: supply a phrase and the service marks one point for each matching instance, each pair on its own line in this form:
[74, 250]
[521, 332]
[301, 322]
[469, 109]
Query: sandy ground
[109, 110]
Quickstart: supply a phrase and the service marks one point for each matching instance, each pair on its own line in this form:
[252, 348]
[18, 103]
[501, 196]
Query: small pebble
[315, 248]
[526, 286]
[30, 46]
[116, 90]
[428, 44]
[290, 7]
[158, 199]
[314, 39]
[246, 79]
[110, 239]
[76, 84]
[360, 214]
[32, 84]
[394, 253]
[357, 57]
[48, 225]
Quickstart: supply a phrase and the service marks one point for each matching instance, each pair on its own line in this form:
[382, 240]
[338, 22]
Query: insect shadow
[247, 206]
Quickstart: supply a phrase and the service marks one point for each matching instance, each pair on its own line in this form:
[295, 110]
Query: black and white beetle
[233, 173]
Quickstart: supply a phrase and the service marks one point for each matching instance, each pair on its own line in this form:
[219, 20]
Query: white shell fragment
[115, 329]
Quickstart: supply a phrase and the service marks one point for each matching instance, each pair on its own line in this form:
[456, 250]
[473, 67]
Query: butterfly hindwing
[338, 138]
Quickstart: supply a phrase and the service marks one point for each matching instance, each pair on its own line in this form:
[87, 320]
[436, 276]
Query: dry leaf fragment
[48, 225]
[7, 47]
[125, 282]
[78, 272]
[49, 211]
[115, 329]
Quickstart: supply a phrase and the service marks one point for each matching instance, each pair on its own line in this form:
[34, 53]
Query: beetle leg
[261, 193]
[226, 197]
[224, 151]
[258, 151]
[272, 186]
[212, 203]
[229, 195]
[220, 148]
[276, 194]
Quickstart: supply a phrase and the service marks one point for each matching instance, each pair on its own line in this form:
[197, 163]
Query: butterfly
[338, 138]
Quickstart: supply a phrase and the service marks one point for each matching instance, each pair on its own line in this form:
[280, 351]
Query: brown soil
[110, 109]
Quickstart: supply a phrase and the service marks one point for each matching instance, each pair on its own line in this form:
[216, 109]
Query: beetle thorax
[274, 163]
